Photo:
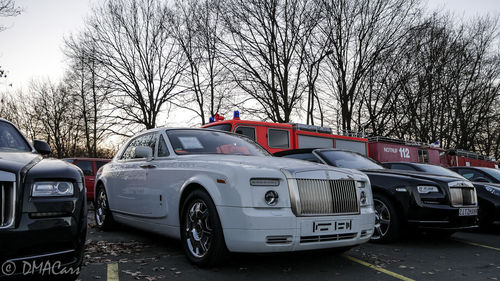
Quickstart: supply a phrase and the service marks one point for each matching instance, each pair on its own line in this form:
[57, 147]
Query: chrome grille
[7, 201]
[463, 196]
[327, 197]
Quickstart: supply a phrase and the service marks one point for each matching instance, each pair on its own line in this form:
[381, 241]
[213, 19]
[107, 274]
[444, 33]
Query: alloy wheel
[382, 219]
[100, 211]
[198, 229]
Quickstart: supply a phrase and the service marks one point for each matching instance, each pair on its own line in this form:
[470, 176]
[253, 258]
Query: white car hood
[295, 168]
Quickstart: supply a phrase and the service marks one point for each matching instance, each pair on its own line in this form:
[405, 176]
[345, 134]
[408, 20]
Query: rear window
[304, 156]
[86, 167]
[99, 164]
[402, 167]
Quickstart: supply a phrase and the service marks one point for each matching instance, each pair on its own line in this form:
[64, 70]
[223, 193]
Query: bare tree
[57, 116]
[198, 32]
[90, 92]
[8, 8]
[133, 42]
[361, 31]
[265, 51]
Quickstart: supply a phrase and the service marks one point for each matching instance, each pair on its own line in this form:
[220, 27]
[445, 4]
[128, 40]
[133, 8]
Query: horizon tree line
[381, 67]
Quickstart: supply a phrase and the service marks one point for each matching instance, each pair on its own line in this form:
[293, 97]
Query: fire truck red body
[276, 137]
[392, 150]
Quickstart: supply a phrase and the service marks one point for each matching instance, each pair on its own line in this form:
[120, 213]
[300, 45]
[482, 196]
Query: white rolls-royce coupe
[220, 192]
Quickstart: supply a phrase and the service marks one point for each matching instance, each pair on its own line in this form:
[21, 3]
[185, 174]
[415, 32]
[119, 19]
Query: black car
[43, 214]
[487, 182]
[405, 200]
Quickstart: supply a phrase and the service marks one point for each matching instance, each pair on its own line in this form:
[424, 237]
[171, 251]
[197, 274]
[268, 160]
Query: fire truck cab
[276, 137]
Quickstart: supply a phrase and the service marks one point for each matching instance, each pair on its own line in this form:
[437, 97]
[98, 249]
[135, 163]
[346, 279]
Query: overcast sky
[31, 47]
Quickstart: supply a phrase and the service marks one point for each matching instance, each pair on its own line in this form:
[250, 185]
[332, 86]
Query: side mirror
[42, 147]
[481, 180]
[143, 152]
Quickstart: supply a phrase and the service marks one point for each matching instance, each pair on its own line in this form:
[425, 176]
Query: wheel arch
[199, 183]
[402, 212]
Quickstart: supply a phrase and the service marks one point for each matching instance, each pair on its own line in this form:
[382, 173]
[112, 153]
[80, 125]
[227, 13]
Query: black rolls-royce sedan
[43, 214]
[405, 200]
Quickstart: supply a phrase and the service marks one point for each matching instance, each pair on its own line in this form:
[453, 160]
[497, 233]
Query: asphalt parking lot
[130, 254]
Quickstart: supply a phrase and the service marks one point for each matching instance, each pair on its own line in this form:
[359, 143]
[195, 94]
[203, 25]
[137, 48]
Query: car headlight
[52, 188]
[264, 182]
[494, 190]
[424, 189]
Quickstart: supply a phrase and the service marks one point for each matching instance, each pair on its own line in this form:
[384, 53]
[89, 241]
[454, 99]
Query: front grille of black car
[327, 197]
[463, 196]
[7, 201]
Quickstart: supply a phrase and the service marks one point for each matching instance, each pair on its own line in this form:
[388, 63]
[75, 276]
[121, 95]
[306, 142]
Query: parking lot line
[477, 244]
[388, 272]
[113, 272]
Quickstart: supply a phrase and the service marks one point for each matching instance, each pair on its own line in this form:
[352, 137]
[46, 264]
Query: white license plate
[325, 227]
[465, 212]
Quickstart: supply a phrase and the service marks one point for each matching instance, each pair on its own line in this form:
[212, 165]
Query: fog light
[271, 197]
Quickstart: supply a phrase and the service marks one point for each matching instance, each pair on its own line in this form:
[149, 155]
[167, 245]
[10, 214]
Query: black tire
[201, 231]
[103, 216]
[387, 224]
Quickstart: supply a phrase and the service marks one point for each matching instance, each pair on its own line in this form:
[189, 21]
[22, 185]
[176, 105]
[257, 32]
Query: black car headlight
[52, 188]
[424, 189]
[493, 190]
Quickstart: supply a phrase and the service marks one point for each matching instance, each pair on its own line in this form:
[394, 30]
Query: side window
[423, 156]
[396, 166]
[162, 148]
[86, 167]
[247, 131]
[278, 138]
[473, 175]
[144, 140]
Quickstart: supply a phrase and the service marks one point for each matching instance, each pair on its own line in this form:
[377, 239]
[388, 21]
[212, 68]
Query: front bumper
[55, 241]
[441, 217]
[261, 230]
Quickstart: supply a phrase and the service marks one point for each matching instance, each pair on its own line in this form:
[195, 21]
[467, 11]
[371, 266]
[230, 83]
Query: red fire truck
[282, 136]
[390, 150]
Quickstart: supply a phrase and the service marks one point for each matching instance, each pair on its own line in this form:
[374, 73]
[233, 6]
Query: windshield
[350, 160]
[211, 142]
[493, 172]
[11, 139]
[438, 170]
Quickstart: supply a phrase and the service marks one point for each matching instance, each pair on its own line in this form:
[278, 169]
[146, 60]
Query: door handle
[147, 166]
